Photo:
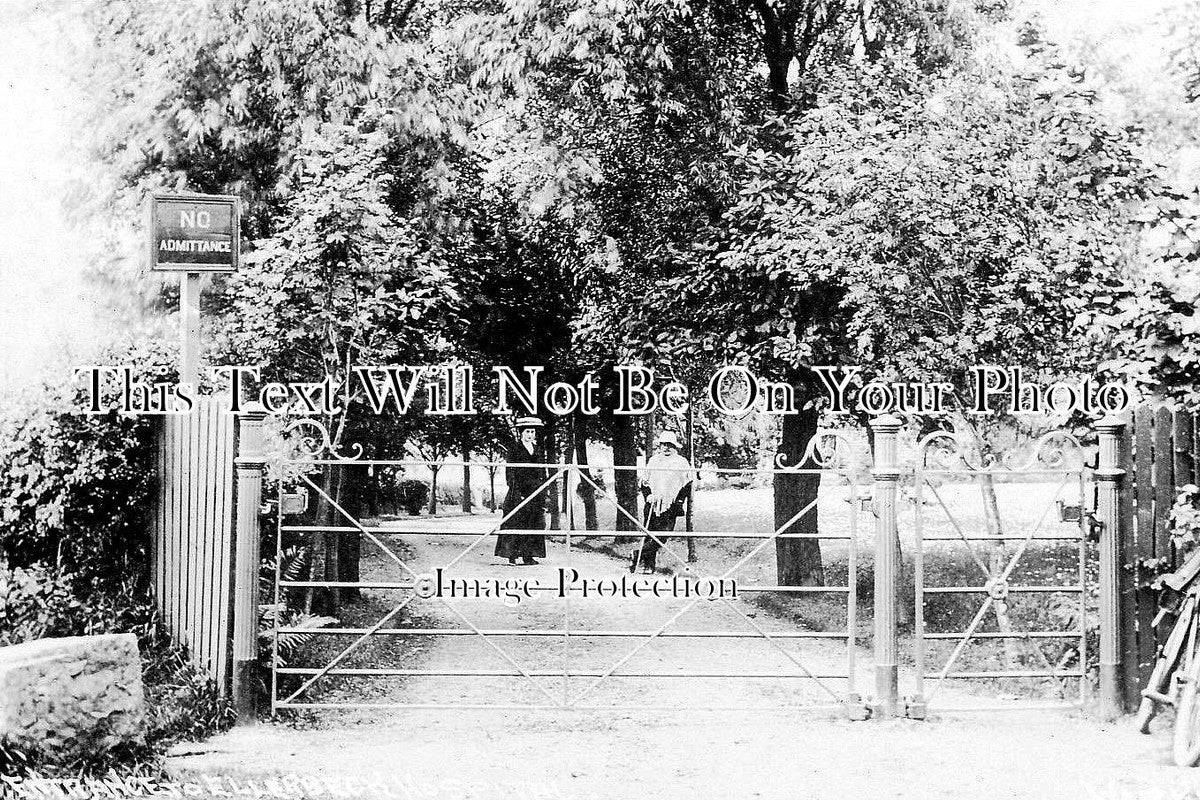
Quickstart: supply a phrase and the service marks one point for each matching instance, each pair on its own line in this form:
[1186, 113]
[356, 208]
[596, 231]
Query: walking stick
[637, 554]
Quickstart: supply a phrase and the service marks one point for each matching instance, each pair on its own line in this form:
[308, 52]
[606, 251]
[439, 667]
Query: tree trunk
[997, 552]
[997, 560]
[689, 517]
[355, 497]
[492, 489]
[625, 480]
[466, 481]
[433, 473]
[314, 600]
[798, 561]
[552, 491]
[587, 494]
[325, 553]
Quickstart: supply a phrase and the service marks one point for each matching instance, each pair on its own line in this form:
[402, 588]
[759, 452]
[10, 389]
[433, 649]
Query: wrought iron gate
[1033, 585]
[588, 661]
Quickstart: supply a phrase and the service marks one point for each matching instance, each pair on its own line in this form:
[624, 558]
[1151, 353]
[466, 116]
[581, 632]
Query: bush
[181, 702]
[35, 604]
[412, 495]
[75, 488]
[75, 495]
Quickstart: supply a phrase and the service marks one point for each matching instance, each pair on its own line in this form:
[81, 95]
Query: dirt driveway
[617, 750]
[593, 755]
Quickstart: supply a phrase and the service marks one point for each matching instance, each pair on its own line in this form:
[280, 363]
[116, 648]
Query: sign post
[192, 234]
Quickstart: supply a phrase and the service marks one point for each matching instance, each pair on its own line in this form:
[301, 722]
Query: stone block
[72, 695]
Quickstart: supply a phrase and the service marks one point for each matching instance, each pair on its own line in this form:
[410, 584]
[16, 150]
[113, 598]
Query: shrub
[181, 702]
[75, 488]
[293, 566]
[1185, 519]
[35, 604]
[75, 495]
[412, 495]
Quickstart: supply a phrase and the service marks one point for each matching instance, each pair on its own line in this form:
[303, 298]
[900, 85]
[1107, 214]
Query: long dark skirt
[531, 517]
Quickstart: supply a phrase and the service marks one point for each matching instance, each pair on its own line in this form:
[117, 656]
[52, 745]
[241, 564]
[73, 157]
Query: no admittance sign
[194, 233]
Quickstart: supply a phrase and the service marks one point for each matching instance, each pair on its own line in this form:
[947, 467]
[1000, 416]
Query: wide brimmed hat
[669, 437]
[529, 422]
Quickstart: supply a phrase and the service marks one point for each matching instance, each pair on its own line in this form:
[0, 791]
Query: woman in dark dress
[524, 482]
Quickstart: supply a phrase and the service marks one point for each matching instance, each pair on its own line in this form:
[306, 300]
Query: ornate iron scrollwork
[830, 450]
[318, 444]
[952, 452]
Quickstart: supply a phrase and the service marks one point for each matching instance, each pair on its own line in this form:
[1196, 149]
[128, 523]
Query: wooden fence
[192, 541]
[1159, 453]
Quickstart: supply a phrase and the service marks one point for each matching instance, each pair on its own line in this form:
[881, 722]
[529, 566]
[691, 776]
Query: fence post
[251, 463]
[1110, 480]
[885, 475]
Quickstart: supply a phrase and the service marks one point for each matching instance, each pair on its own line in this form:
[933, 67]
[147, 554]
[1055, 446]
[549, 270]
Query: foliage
[1185, 519]
[919, 226]
[282, 650]
[35, 604]
[75, 492]
[412, 495]
[225, 108]
[75, 488]
[1148, 315]
[1183, 21]
[181, 701]
[291, 642]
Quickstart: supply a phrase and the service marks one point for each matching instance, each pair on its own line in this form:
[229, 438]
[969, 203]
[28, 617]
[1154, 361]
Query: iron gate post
[251, 463]
[1110, 479]
[885, 475]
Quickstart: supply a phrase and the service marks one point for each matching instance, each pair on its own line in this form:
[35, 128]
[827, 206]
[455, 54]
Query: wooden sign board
[194, 232]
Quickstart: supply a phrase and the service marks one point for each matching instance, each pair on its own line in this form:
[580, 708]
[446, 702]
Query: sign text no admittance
[194, 233]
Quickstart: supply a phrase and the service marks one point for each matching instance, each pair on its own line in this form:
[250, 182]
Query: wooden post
[1183, 438]
[1164, 484]
[1110, 477]
[1144, 505]
[251, 463]
[189, 329]
[886, 474]
[1127, 585]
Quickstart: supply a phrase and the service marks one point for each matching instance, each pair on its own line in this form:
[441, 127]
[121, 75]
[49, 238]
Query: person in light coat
[666, 485]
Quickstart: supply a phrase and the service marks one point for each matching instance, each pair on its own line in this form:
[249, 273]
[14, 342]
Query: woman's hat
[668, 437]
[529, 422]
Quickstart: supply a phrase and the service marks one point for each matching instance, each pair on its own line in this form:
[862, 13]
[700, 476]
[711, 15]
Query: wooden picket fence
[1160, 454]
[192, 541]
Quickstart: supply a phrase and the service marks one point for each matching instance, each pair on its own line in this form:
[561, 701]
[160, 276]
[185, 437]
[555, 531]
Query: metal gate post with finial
[1110, 480]
[251, 464]
[886, 473]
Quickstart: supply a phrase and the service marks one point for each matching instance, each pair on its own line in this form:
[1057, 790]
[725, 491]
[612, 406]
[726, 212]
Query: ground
[596, 755]
[797, 742]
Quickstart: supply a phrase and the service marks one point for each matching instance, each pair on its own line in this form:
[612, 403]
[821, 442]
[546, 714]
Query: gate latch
[1075, 512]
